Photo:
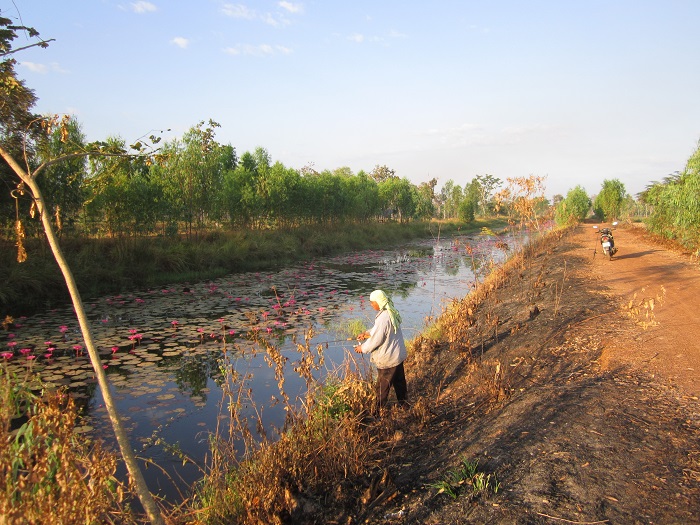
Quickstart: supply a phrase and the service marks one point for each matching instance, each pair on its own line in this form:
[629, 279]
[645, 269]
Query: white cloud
[273, 20]
[292, 8]
[238, 11]
[243, 12]
[43, 68]
[360, 38]
[180, 42]
[397, 34]
[259, 50]
[35, 68]
[143, 7]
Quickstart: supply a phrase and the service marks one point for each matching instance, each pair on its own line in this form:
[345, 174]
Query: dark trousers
[388, 377]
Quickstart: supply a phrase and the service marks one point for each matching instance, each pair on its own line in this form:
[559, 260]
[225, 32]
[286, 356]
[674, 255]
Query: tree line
[195, 183]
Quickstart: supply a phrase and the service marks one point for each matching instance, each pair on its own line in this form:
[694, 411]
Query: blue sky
[578, 91]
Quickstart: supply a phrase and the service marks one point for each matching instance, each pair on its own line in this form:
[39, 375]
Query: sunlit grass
[50, 473]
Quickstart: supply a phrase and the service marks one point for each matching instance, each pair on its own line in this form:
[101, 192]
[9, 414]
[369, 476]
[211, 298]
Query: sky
[577, 91]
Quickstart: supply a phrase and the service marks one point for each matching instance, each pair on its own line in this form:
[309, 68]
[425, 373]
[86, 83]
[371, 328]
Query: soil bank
[580, 395]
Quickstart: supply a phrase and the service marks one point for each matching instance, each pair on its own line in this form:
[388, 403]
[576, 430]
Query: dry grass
[52, 475]
[324, 443]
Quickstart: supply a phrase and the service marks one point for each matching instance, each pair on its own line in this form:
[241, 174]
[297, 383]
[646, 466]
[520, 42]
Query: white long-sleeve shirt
[387, 348]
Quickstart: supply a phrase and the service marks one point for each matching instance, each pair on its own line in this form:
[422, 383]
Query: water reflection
[163, 349]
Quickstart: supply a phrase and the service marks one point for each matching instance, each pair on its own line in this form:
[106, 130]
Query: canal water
[168, 352]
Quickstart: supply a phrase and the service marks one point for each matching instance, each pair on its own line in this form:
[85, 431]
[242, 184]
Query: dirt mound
[580, 397]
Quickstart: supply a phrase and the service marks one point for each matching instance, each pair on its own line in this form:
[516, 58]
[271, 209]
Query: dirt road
[671, 346]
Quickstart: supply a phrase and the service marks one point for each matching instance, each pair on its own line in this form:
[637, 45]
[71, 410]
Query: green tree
[675, 204]
[194, 176]
[466, 211]
[382, 173]
[450, 198]
[17, 134]
[486, 185]
[240, 193]
[425, 199]
[398, 195]
[365, 201]
[63, 183]
[472, 197]
[574, 208]
[608, 203]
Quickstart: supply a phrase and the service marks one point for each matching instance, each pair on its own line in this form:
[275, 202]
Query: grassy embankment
[107, 266]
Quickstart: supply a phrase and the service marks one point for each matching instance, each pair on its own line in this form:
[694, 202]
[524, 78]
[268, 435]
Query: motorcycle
[607, 242]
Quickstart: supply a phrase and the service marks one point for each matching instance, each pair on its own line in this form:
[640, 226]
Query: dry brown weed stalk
[50, 473]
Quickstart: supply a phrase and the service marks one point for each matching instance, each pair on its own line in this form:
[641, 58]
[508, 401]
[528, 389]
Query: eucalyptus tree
[332, 202]
[425, 200]
[399, 195]
[364, 197]
[574, 208]
[471, 196]
[282, 197]
[608, 203]
[486, 185]
[240, 192]
[450, 198]
[124, 195]
[194, 175]
[382, 173]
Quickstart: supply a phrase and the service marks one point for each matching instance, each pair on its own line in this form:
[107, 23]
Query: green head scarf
[387, 304]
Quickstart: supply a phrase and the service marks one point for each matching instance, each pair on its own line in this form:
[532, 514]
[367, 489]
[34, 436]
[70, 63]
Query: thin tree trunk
[127, 452]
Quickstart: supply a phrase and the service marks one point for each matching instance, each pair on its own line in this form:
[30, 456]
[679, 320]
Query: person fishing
[384, 342]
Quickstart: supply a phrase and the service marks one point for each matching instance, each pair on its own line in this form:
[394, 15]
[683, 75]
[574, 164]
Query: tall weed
[50, 474]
